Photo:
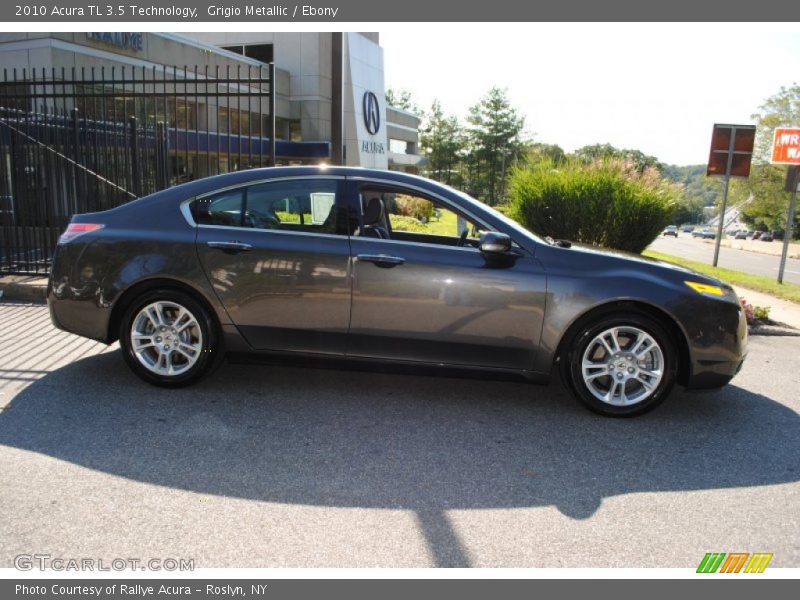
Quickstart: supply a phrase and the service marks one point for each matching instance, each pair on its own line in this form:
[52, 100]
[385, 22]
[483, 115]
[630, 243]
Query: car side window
[308, 205]
[405, 215]
[223, 208]
[295, 205]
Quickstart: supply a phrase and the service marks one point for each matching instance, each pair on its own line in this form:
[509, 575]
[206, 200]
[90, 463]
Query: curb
[773, 330]
[23, 290]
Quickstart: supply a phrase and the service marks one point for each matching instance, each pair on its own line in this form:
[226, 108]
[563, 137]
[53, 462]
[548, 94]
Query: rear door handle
[381, 260]
[232, 247]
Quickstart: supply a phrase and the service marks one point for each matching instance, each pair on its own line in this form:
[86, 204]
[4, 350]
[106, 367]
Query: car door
[277, 255]
[419, 296]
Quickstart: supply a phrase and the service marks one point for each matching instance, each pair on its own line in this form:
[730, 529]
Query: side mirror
[493, 242]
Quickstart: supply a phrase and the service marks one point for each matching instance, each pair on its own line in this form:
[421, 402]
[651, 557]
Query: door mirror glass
[494, 242]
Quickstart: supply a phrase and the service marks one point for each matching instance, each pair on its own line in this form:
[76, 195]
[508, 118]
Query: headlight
[723, 292]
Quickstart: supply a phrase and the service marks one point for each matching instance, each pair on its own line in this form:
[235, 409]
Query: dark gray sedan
[368, 266]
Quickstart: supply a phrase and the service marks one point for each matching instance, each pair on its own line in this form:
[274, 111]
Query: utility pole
[794, 177]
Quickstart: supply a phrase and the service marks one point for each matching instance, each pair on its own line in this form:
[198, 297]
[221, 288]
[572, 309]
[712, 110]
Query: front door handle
[381, 260]
[232, 247]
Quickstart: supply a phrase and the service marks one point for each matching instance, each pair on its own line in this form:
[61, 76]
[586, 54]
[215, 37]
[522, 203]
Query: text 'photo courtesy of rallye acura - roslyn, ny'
[324, 262]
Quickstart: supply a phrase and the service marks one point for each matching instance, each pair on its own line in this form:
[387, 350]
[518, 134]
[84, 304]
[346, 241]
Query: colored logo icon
[734, 562]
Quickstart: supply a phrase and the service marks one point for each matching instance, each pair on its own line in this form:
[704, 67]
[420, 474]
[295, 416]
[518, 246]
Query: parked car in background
[671, 230]
[688, 228]
[766, 237]
[322, 262]
[756, 235]
[743, 235]
[705, 234]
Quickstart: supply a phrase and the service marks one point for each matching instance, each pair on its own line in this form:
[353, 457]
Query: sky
[658, 88]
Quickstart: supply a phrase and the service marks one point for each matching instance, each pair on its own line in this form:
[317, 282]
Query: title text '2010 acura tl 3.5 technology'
[381, 266]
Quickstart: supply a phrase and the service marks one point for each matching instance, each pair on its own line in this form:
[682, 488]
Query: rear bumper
[85, 318]
[76, 306]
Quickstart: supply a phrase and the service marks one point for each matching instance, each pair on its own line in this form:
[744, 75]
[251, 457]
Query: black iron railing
[87, 140]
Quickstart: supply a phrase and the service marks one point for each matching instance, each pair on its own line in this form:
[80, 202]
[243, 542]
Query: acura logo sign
[372, 113]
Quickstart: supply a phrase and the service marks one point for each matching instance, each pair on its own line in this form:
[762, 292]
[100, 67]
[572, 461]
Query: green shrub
[410, 206]
[761, 313]
[609, 203]
[403, 223]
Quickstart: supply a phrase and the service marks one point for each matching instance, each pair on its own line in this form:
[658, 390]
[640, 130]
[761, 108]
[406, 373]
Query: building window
[238, 49]
[295, 131]
[398, 146]
[259, 52]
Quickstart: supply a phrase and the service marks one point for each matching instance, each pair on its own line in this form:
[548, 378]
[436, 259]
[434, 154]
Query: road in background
[766, 265]
[298, 467]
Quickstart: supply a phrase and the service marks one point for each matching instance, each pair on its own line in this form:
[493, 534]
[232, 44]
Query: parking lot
[288, 466]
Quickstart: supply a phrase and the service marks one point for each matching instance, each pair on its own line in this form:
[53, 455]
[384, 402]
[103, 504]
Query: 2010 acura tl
[373, 265]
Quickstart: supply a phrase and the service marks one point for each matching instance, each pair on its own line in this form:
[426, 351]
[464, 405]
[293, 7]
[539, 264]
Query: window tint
[298, 205]
[224, 208]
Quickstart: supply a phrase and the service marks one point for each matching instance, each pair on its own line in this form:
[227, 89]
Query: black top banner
[355, 11]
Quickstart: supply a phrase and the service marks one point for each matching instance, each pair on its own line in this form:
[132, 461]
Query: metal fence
[88, 140]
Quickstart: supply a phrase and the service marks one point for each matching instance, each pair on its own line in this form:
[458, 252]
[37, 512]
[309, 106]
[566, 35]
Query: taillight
[75, 229]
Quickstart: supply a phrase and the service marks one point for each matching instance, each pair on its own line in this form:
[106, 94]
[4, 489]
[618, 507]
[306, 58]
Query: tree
[697, 192]
[767, 200]
[640, 160]
[537, 152]
[400, 98]
[495, 136]
[442, 141]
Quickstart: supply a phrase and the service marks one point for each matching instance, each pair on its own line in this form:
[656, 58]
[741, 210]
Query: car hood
[649, 263]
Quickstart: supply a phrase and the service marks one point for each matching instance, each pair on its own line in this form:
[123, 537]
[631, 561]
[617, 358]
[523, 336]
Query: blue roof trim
[179, 140]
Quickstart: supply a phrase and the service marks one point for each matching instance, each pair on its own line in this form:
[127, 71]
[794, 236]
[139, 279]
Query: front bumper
[719, 349]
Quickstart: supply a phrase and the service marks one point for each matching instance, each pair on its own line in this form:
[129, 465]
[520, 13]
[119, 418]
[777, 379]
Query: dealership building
[329, 90]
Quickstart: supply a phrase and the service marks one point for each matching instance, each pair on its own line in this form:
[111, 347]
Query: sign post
[731, 152]
[786, 151]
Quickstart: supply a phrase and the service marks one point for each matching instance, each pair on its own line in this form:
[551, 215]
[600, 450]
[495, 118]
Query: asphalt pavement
[288, 466]
[745, 261]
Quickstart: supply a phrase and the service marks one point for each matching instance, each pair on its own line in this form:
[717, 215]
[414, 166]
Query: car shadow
[374, 440]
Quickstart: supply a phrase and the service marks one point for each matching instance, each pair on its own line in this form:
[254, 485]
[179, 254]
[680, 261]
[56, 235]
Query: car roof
[200, 186]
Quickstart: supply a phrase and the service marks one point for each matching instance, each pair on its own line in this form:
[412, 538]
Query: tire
[608, 378]
[169, 339]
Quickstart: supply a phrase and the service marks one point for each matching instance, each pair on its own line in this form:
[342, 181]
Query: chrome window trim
[421, 245]
[186, 211]
[275, 231]
[266, 180]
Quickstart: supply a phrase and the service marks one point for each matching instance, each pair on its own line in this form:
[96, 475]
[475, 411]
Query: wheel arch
[129, 295]
[659, 314]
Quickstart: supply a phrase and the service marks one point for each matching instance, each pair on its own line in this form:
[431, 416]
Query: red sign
[786, 146]
[731, 150]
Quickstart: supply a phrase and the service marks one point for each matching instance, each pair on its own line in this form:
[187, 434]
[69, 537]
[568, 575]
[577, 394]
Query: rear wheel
[169, 339]
[621, 365]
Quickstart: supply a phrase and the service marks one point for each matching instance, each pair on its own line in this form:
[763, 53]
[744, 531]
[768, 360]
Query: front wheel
[621, 365]
[169, 339]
